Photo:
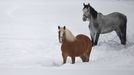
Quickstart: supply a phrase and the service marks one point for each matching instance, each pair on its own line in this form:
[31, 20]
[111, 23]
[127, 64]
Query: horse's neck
[69, 36]
[99, 15]
[96, 22]
[93, 12]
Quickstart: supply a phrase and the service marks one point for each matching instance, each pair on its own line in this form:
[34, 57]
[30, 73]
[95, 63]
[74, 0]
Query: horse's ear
[88, 4]
[83, 4]
[64, 27]
[58, 27]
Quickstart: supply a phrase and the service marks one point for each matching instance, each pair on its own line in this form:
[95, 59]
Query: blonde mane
[69, 35]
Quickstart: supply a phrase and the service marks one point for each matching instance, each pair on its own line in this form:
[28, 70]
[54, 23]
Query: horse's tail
[124, 29]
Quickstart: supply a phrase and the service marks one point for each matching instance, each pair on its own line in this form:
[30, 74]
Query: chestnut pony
[73, 46]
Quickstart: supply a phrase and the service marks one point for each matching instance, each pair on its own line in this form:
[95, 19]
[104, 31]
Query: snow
[29, 38]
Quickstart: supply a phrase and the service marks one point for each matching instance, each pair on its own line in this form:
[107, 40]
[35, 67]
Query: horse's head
[61, 33]
[65, 35]
[86, 11]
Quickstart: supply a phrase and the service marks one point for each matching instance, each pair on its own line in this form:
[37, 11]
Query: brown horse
[73, 46]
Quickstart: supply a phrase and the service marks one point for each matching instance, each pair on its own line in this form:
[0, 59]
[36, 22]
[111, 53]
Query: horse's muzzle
[60, 39]
[84, 19]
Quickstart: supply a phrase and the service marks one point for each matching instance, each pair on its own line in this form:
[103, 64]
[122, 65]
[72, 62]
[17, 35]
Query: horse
[79, 46]
[101, 24]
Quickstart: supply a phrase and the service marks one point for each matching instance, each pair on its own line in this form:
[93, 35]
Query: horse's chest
[93, 26]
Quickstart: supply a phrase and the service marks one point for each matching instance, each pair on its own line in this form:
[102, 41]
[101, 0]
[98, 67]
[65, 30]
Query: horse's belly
[106, 30]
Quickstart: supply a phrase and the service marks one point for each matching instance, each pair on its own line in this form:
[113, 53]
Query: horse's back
[112, 21]
[84, 38]
[119, 20]
[81, 36]
[117, 15]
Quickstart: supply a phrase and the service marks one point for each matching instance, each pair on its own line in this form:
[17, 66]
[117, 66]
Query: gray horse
[101, 24]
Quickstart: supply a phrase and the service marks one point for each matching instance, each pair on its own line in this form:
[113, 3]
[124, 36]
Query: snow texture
[29, 38]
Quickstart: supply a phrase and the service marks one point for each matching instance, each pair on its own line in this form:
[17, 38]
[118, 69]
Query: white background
[29, 38]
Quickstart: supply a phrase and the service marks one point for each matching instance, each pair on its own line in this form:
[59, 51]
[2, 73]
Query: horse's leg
[73, 59]
[92, 37]
[64, 58]
[96, 38]
[123, 35]
[123, 38]
[87, 58]
[83, 58]
[88, 55]
[123, 28]
[92, 40]
[118, 32]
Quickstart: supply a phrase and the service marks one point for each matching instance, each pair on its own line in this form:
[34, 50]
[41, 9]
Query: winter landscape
[29, 38]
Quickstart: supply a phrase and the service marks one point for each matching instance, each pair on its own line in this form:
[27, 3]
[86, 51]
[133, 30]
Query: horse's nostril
[84, 19]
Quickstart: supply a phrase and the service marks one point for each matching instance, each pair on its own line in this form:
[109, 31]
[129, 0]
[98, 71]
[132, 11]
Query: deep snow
[29, 43]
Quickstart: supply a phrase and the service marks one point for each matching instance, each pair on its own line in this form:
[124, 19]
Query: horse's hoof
[123, 43]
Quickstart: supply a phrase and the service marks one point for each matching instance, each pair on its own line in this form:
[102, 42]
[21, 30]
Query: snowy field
[29, 38]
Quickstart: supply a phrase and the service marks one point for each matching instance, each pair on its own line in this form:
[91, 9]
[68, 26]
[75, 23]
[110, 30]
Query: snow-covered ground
[29, 42]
